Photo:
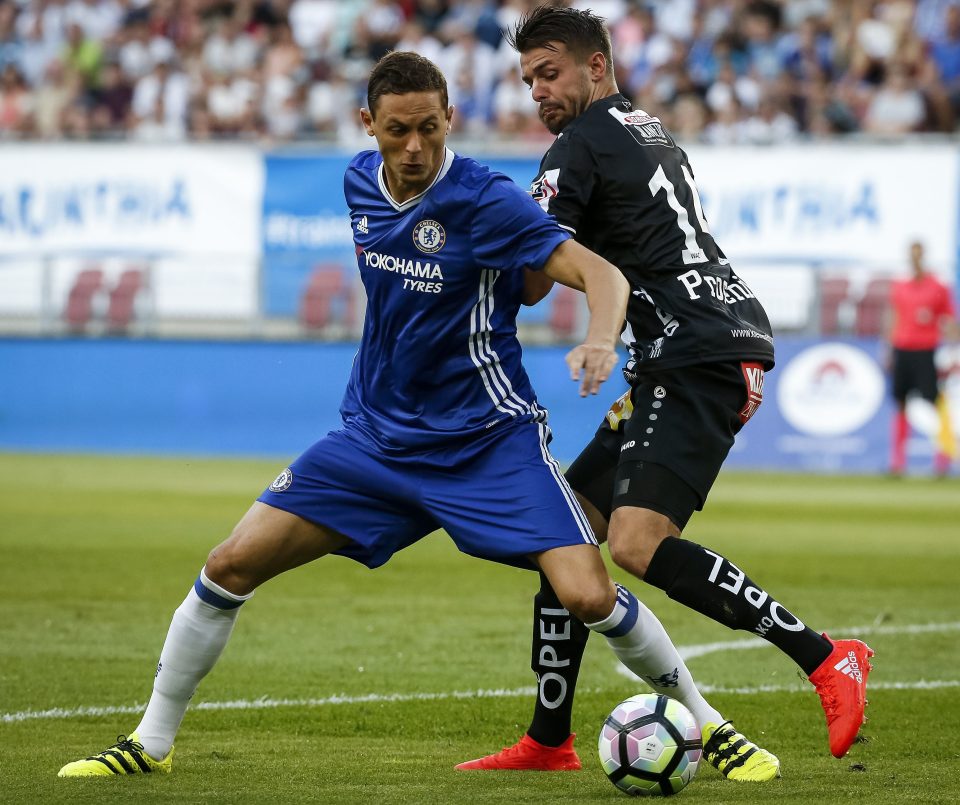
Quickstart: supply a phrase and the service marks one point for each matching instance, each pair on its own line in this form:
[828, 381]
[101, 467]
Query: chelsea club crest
[429, 237]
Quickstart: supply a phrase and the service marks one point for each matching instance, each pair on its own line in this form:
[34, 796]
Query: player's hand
[591, 364]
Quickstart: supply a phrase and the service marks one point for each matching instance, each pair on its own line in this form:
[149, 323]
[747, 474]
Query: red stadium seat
[872, 308]
[79, 307]
[563, 311]
[833, 294]
[121, 309]
[327, 299]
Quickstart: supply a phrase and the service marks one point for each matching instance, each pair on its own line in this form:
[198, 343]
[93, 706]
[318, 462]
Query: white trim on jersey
[485, 357]
[568, 494]
[568, 228]
[412, 202]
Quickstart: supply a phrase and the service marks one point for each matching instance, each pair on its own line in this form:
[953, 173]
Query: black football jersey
[620, 184]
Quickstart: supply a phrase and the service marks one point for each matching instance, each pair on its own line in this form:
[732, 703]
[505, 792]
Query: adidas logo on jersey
[362, 226]
[850, 667]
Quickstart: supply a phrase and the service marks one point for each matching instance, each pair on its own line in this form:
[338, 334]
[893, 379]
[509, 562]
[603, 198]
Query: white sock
[642, 644]
[197, 636]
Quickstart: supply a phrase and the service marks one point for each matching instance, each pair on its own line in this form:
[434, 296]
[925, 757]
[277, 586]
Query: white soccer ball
[650, 745]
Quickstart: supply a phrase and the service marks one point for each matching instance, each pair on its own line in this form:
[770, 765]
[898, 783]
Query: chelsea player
[440, 426]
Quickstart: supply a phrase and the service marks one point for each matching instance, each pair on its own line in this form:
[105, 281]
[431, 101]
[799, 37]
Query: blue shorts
[499, 497]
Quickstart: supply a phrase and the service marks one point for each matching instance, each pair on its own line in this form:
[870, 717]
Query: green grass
[96, 552]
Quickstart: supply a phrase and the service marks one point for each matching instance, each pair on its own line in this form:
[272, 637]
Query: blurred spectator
[513, 108]
[725, 71]
[230, 105]
[230, 49]
[689, 117]
[159, 104]
[416, 37]
[945, 54]
[140, 50]
[332, 103]
[897, 107]
[111, 102]
[83, 55]
[761, 29]
[471, 68]
[429, 14]
[282, 55]
[16, 103]
[807, 51]
[726, 128]
[11, 48]
[930, 17]
[770, 124]
[51, 99]
[99, 19]
[379, 28]
[729, 86]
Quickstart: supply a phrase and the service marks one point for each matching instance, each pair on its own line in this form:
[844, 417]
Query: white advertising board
[130, 198]
[834, 204]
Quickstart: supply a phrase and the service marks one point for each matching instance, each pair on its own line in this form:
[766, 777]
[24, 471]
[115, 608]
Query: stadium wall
[270, 217]
[826, 404]
[264, 220]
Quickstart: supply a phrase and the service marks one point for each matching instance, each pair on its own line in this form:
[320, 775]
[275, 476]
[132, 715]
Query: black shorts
[662, 443]
[914, 370]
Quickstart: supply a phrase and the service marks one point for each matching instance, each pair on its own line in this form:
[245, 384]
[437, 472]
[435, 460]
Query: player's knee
[590, 603]
[227, 566]
[632, 550]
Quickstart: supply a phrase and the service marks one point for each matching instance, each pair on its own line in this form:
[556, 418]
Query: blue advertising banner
[826, 406]
[305, 225]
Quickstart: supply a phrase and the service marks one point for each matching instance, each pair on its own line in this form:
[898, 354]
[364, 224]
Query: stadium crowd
[717, 71]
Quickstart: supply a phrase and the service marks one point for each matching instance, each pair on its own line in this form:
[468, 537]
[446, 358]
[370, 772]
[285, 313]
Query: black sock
[558, 643]
[713, 586]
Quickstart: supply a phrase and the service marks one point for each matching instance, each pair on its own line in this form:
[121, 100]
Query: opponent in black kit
[699, 344]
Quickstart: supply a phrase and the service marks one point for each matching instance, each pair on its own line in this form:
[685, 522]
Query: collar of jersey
[412, 202]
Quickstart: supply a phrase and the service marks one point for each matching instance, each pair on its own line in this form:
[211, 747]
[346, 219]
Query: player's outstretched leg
[841, 683]
[126, 756]
[640, 642]
[197, 636]
[559, 640]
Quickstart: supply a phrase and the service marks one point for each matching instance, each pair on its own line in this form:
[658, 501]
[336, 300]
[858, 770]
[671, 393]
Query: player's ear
[597, 65]
[449, 118]
[367, 119]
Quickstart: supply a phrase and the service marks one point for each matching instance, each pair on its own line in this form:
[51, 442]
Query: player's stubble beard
[566, 114]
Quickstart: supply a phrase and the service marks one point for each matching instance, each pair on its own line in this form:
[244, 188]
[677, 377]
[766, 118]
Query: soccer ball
[650, 746]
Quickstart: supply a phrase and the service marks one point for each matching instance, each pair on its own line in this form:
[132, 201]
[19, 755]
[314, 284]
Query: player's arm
[536, 285]
[607, 293]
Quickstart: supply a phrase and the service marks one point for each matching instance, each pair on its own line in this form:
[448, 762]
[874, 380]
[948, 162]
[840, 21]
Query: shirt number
[692, 253]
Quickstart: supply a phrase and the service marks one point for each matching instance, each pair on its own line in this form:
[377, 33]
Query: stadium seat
[121, 308]
[327, 299]
[872, 308]
[563, 311]
[833, 295]
[79, 307]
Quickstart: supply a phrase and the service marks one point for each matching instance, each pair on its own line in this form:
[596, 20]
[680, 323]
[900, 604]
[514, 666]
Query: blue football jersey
[439, 358]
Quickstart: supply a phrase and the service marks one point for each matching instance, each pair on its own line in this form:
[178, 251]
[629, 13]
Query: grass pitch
[343, 685]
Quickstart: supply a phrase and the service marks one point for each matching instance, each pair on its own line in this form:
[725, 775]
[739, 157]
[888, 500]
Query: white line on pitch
[751, 643]
[268, 703]
[686, 651]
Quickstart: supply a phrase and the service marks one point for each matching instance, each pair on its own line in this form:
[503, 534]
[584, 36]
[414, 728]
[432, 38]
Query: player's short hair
[401, 72]
[583, 33]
